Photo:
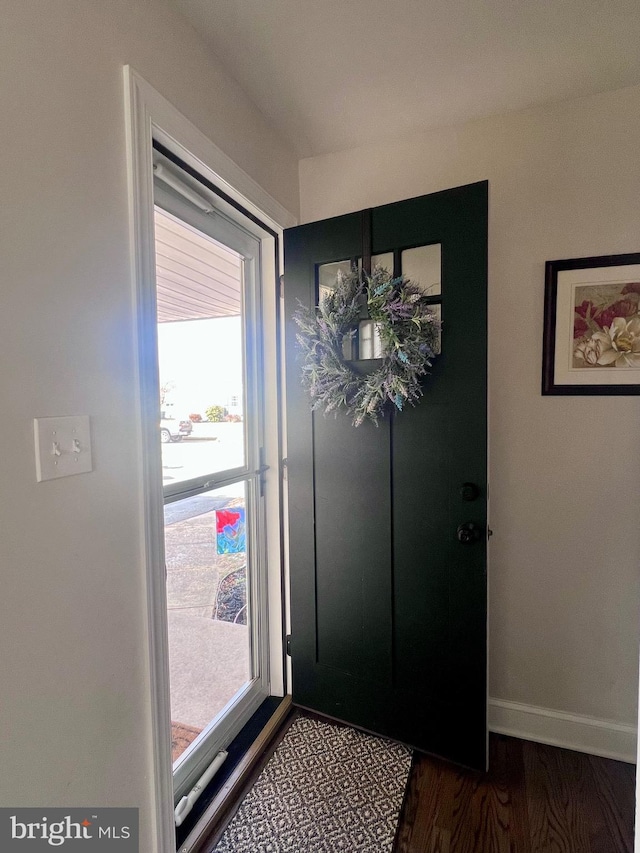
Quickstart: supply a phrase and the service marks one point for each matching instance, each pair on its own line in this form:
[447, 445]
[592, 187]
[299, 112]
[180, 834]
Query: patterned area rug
[326, 788]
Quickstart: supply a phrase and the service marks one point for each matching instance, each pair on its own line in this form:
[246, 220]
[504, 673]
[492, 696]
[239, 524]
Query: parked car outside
[174, 430]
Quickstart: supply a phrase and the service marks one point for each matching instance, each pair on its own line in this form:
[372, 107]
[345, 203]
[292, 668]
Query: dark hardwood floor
[535, 799]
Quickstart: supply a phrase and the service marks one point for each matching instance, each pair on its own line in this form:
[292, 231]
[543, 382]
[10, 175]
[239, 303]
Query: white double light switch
[63, 447]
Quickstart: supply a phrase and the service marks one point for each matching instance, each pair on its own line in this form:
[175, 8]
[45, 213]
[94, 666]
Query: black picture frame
[558, 347]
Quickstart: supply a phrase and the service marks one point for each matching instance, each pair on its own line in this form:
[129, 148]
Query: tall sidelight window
[208, 271]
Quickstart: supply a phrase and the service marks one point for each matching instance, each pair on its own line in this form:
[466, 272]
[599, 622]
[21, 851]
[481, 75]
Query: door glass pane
[423, 266]
[437, 310]
[385, 260]
[208, 607]
[327, 272]
[370, 343]
[327, 276]
[200, 293]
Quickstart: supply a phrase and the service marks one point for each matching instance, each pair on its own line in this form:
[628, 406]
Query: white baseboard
[557, 728]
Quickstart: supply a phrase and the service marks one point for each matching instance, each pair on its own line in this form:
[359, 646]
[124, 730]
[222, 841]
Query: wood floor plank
[463, 810]
[600, 834]
[468, 789]
[616, 792]
[547, 802]
[454, 813]
[411, 806]
[425, 809]
[535, 799]
[492, 812]
[507, 768]
[577, 781]
[433, 834]
[440, 841]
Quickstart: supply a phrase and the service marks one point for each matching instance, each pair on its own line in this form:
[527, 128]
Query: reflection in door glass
[200, 351]
[437, 310]
[385, 261]
[327, 272]
[369, 341]
[423, 266]
[207, 608]
[327, 276]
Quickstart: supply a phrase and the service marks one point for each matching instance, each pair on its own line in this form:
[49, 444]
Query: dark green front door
[388, 606]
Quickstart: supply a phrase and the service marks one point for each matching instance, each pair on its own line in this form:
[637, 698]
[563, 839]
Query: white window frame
[223, 727]
[149, 116]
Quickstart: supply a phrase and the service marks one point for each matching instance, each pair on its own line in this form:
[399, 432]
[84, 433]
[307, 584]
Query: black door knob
[468, 533]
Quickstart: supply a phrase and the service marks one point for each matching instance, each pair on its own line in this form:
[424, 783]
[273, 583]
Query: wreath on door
[408, 329]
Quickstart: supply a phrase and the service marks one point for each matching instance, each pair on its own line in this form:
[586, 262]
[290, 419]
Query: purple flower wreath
[409, 333]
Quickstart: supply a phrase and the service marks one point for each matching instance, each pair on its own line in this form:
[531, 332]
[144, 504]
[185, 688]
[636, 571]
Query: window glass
[327, 274]
[423, 266]
[200, 300]
[208, 608]
[385, 261]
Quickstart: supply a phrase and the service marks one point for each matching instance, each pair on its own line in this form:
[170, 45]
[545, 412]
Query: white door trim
[149, 115]
[176, 132]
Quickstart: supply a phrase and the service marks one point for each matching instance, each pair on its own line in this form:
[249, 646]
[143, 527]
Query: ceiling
[336, 74]
[196, 277]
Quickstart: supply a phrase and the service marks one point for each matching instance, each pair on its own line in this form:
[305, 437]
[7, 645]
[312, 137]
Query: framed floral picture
[592, 326]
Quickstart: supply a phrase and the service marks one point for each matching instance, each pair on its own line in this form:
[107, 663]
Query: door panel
[388, 606]
[352, 515]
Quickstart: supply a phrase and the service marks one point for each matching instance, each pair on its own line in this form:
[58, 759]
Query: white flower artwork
[606, 325]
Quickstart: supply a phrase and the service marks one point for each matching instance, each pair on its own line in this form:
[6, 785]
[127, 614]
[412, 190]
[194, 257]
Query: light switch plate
[63, 447]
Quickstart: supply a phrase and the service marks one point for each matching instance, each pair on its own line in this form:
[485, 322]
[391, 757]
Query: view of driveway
[211, 447]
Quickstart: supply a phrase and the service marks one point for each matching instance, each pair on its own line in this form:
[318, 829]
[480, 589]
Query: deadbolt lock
[468, 533]
[469, 492]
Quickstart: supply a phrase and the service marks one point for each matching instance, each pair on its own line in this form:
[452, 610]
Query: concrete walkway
[208, 664]
[209, 659]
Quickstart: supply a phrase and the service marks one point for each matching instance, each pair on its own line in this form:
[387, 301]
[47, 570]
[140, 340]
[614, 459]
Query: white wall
[74, 712]
[565, 472]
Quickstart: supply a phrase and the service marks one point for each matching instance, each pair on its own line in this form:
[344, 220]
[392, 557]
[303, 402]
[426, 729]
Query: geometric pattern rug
[326, 788]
